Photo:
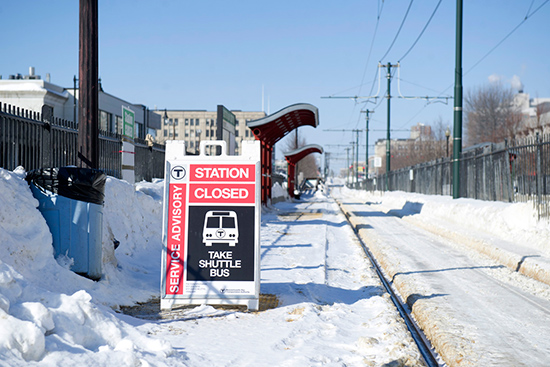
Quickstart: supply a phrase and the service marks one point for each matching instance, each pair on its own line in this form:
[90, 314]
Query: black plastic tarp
[76, 183]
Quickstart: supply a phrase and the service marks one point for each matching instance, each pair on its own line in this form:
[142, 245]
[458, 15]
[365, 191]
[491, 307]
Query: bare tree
[490, 115]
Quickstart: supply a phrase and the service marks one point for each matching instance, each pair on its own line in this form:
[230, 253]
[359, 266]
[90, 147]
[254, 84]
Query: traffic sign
[211, 227]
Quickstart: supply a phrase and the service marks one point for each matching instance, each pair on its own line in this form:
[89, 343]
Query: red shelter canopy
[296, 156]
[270, 129]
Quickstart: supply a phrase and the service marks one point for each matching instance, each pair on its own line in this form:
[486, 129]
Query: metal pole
[367, 142]
[357, 158]
[88, 102]
[347, 163]
[457, 136]
[388, 137]
[296, 170]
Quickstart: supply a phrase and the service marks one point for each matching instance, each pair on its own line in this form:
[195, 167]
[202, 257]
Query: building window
[186, 122]
[207, 133]
[165, 133]
[176, 122]
[105, 121]
[236, 133]
[118, 125]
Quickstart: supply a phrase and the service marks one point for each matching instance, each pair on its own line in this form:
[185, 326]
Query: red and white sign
[175, 239]
[211, 228]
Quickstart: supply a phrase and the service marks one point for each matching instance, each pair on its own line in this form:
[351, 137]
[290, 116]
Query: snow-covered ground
[332, 309]
[457, 264]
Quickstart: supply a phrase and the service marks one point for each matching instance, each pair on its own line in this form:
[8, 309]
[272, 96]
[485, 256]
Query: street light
[447, 135]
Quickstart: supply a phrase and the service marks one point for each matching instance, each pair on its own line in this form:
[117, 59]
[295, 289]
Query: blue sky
[198, 54]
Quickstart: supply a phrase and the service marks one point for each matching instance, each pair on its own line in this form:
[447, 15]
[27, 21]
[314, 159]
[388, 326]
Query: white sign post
[211, 227]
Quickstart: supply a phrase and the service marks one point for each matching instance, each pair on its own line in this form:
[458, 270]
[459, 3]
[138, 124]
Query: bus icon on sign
[220, 227]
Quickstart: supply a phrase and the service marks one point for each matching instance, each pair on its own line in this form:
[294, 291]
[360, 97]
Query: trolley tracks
[426, 349]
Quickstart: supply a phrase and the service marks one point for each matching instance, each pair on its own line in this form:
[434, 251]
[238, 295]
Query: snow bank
[50, 314]
[278, 193]
[514, 222]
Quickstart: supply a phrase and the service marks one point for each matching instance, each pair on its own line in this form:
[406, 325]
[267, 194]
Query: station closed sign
[211, 227]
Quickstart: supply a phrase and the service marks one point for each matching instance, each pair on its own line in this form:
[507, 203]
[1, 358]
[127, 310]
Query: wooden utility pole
[88, 99]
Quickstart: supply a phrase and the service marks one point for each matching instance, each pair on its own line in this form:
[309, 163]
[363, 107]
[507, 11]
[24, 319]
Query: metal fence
[27, 140]
[517, 171]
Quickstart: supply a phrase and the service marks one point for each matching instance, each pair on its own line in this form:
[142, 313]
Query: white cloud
[516, 83]
[495, 78]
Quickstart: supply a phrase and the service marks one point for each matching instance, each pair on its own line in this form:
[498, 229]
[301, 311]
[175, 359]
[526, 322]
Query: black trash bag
[84, 184]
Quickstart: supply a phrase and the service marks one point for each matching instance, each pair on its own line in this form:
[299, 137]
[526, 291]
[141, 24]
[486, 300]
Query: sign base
[251, 304]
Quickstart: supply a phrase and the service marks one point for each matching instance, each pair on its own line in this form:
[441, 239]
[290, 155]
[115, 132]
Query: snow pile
[514, 222]
[278, 193]
[331, 311]
[46, 311]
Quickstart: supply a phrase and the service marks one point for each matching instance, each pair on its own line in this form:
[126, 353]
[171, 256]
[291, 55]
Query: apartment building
[194, 126]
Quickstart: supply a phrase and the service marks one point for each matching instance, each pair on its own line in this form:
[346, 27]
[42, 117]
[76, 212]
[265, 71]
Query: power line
[421, 33]
[398, 31]
[506, 37]
[501, 41]
[370, 50]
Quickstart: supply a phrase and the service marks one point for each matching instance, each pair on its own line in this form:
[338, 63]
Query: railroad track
[429, 354]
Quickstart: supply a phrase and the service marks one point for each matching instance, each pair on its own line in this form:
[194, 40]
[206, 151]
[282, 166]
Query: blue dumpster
[71, 201]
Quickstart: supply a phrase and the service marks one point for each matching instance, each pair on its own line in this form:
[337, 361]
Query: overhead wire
[399, 30]
[371, 46]
[380, 8]
[422, 32]
[506, 37]
[527, 16]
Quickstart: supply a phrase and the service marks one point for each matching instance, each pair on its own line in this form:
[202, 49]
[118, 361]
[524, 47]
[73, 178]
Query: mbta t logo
[178, 173]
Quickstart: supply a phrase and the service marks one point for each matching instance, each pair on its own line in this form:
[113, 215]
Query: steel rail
[424, 346]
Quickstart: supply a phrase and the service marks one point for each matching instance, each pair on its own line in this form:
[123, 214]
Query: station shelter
[270, 129]
[293, 158]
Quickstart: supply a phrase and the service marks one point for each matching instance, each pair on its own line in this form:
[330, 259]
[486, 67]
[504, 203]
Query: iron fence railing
[27, 140]
[515, 171]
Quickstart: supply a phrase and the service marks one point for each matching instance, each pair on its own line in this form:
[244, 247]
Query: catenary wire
[421, 33]
[399, 30]
[506, 37]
